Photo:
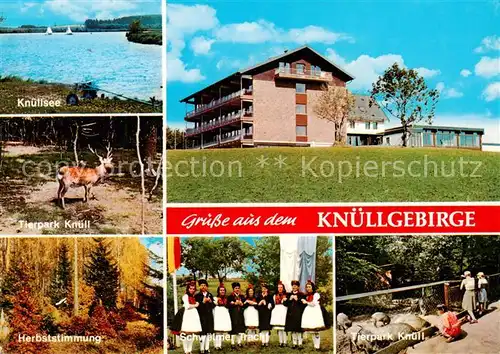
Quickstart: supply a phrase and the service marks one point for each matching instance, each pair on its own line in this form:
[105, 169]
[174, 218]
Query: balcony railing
[225, 138]
[219, 102]
[221, 121]
[303, 74]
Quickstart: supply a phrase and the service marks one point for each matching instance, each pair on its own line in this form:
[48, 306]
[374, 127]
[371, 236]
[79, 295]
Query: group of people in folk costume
[242, 316]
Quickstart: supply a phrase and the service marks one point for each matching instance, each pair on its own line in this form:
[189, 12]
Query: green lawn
[322, 175]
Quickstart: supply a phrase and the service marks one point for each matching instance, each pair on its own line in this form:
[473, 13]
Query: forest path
[482, 338]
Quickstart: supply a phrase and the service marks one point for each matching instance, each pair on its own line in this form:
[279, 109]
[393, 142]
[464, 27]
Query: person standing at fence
[265, 307]
[482, 284]
[222, 320]
[312, 317]
[294, 314]
[278, 316]
[205, 310]
[187, 320]
[251, 314]
[451, 328]
[469, 299]
[235, 303]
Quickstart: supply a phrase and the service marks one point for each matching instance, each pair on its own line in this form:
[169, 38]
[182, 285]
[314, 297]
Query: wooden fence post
[446, 294]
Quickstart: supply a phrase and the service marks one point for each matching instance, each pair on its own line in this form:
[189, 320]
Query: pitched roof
[252, 69]
[363, 111]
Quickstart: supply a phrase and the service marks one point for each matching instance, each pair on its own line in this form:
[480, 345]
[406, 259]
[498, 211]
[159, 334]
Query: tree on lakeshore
[335, 104]
[403, 94]
[103, 275]
[60, 285]
[135, 26]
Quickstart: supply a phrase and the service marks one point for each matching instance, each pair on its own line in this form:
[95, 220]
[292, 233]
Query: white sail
[49, 31]
[68, 31]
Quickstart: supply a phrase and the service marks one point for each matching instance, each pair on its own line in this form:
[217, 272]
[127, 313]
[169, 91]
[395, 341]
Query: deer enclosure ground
[113, 206]
[478, 338]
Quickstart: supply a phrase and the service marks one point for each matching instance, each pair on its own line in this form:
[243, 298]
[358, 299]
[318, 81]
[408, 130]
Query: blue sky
[454, 45]
[62, 12]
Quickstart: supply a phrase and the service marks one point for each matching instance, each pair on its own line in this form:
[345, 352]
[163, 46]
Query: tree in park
[403, 94]
[103, 275]
[335, 104]
[25, 318]
[60, 285]
[152, 294]
[215, 257]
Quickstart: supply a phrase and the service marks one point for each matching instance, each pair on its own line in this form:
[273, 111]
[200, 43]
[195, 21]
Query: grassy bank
[332, 175]
[146, 37]
[14, 88]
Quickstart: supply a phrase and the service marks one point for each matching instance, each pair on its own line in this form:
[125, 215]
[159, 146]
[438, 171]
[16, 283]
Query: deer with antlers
[83, 176]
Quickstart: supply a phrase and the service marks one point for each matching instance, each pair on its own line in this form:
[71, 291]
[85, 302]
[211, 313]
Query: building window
[367, 125]
[300, 108]
[388, 141]
[375, 125]
[300, 88]
[352, 124]
[301, 130]
[300, 68]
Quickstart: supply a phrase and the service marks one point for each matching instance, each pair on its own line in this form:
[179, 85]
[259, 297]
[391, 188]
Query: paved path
[481, 338]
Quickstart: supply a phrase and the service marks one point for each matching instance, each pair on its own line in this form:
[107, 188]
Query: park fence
[417, 299]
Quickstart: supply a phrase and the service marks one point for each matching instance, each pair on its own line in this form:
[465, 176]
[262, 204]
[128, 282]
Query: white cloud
[177, 71]
[84, 9]
[488, 67]
[27, 5]
[201, 45]
[488, 43]
[465, 73]
[428, 73]
[492, 92]
[448, 92]
[365, 68]
[262, 31]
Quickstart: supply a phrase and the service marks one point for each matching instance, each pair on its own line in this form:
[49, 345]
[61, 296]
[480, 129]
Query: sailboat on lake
[49, 31]
[68, 31]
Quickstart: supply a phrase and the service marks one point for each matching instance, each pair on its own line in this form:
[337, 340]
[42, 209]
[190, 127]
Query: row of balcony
[225, 138]
[294, 73]
[220, 101]
[221, 121]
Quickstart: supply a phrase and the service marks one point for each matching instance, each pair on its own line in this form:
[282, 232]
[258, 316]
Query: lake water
[107, 59]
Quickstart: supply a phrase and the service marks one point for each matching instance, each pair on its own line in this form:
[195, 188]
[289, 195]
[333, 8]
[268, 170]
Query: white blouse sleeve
[185, 301]
[315, 301]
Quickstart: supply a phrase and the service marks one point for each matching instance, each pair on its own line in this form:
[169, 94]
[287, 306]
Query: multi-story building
[272, 103]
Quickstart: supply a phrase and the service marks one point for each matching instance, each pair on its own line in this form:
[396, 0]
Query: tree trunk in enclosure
[149, 142]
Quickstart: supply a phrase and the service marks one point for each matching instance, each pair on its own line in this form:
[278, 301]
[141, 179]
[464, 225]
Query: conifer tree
[152, 294]
[103, 275]
[26, 318]
[61, 277]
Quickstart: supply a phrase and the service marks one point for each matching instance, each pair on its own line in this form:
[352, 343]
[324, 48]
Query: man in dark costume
[206, 301]
[235, 303]
[265, 306]
[294, 314]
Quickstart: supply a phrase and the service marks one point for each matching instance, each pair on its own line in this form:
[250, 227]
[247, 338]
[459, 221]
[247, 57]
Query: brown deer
[83, 176]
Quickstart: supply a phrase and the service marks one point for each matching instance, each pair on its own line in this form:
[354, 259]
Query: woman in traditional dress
[482, 284]
[312, 317]
[278, 315]
[235, 303]
[469, 299]
[294, 314]
[251, 314]
[222, 320]
[187, 320]
[265, 305]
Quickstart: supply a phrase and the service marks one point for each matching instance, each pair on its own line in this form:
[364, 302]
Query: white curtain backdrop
[297, 260]
[289, 260]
